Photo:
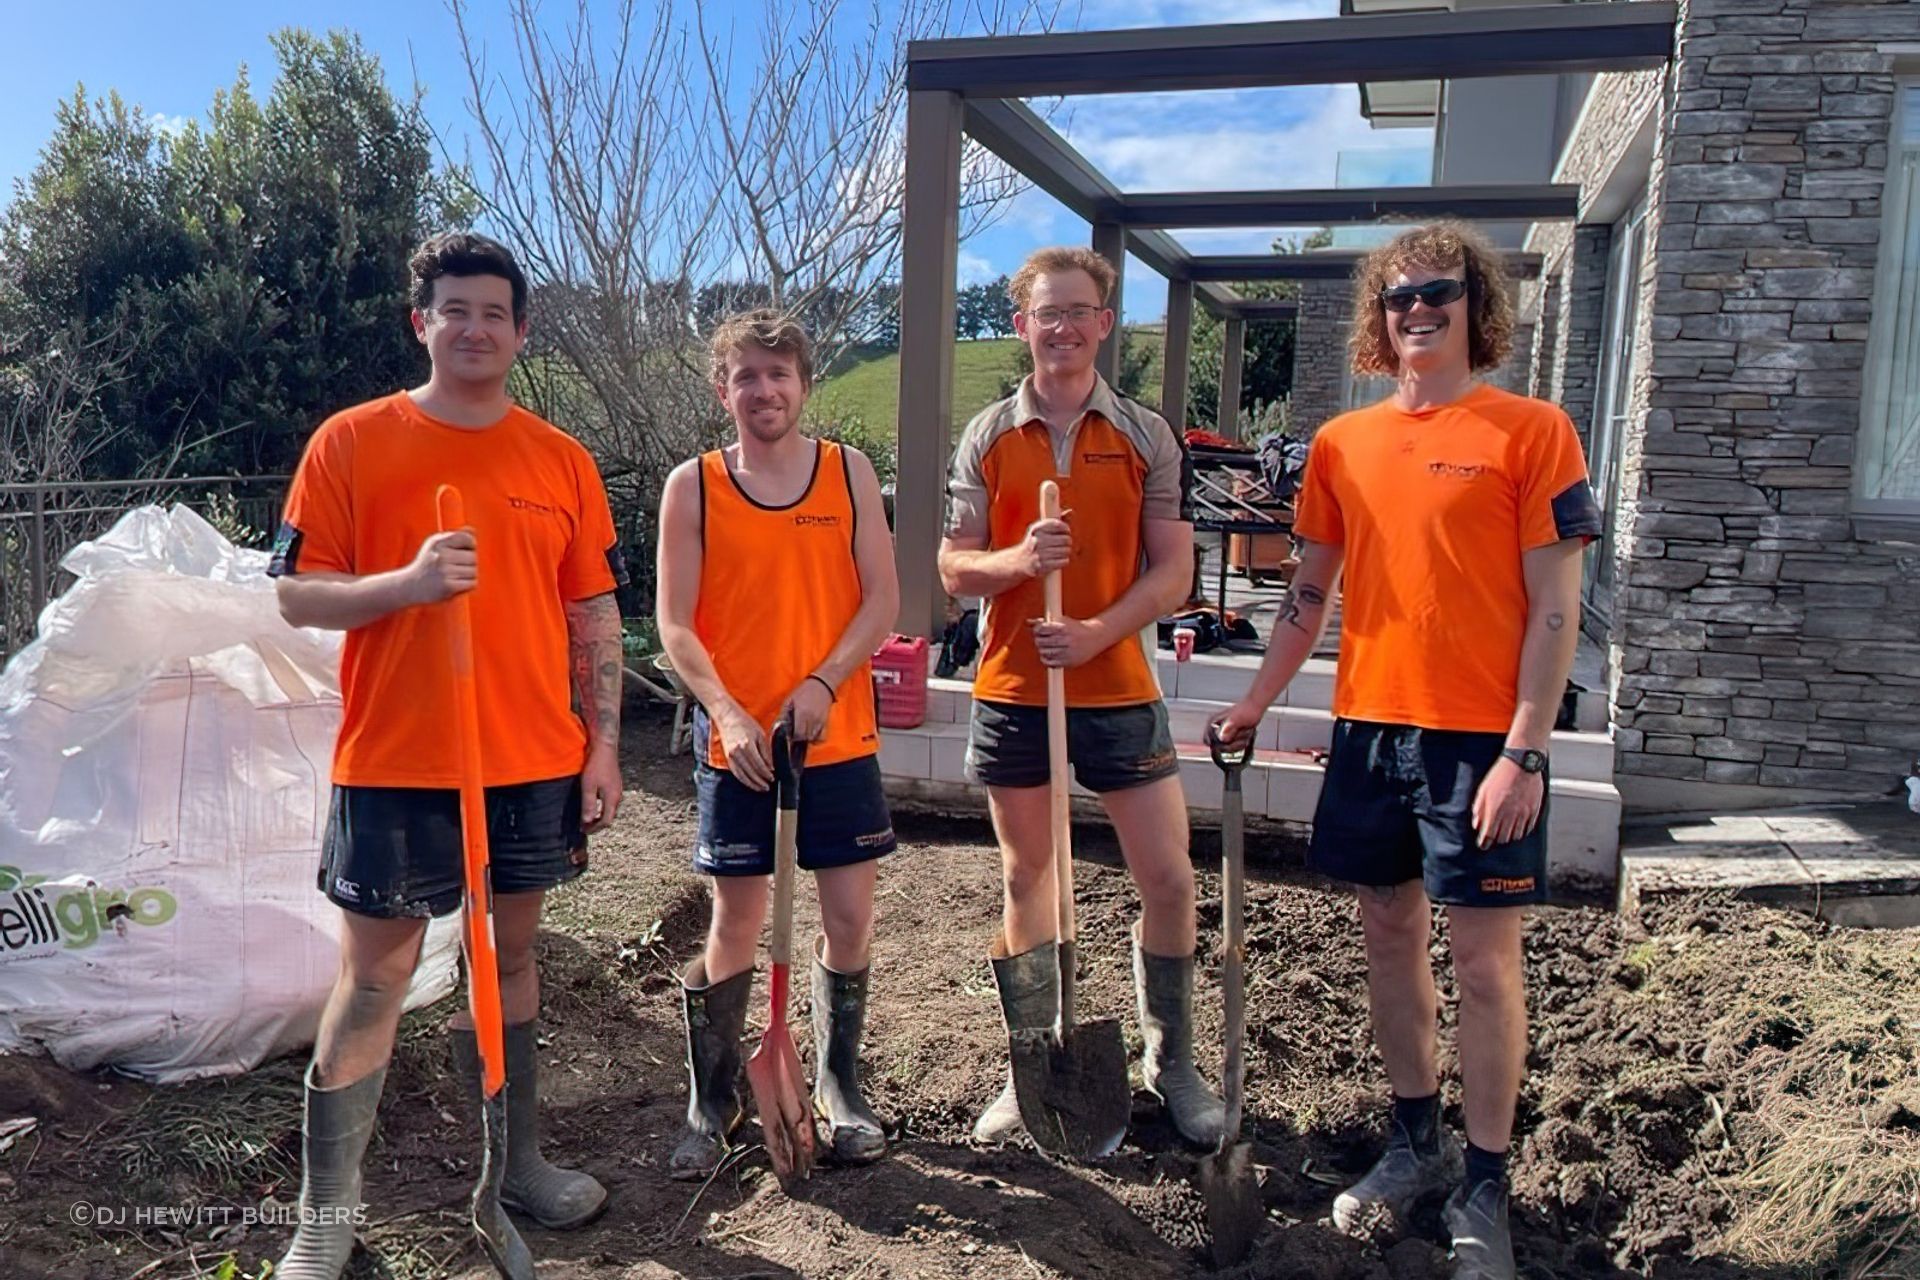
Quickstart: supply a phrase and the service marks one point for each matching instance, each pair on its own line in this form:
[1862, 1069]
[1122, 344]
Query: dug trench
[1719, 1090]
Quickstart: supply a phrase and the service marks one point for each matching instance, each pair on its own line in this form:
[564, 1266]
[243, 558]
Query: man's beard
[767, 433]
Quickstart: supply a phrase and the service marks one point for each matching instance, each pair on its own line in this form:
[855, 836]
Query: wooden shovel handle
[1062, 814]
[476, 924]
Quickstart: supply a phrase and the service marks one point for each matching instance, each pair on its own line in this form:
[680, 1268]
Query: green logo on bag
[36, 921]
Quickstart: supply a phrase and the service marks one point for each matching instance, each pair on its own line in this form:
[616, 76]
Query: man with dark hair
[360, 551]
[776, 584]
[1459, 512]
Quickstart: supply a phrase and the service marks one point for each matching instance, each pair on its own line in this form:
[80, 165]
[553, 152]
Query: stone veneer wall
[1759, 642]
[1320, 353]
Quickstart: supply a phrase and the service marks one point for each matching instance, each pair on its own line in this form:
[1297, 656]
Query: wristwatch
[1529, 760]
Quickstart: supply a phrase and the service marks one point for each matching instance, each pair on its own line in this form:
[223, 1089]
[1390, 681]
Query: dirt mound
[1725, 1092]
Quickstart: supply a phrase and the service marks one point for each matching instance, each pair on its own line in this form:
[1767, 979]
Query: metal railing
[40, 523]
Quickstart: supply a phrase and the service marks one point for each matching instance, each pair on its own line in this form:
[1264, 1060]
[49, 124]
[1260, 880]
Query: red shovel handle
[476, 925]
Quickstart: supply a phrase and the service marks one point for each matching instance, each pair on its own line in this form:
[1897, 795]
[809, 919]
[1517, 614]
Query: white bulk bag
[164, 754]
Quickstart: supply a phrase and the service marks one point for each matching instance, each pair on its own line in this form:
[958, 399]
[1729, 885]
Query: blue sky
[169, 59]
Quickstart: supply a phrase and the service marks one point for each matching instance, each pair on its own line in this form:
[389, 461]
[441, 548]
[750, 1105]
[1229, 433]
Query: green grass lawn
[869, 386]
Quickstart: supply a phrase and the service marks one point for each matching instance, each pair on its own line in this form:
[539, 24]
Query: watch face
[1533, 761]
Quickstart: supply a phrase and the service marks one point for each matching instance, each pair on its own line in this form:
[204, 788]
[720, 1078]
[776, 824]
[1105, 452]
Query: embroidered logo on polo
[1105, 459]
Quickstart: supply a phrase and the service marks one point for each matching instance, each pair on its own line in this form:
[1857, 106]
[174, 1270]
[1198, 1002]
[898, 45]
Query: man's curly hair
[1437, 246]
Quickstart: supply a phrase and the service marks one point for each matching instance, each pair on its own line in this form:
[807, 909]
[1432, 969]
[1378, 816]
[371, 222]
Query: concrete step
[1856, 865]
[1280, 785]
[1288, 727]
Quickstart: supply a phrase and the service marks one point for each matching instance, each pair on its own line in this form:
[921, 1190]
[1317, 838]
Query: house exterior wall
[1762, 648]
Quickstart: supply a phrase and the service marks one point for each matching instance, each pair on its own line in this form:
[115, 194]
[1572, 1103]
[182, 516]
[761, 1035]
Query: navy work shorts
[1397, 805]
[397, 851]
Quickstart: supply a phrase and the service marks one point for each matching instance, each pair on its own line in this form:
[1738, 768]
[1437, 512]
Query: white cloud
[171, 126]
[973, 269]
[1169, 147]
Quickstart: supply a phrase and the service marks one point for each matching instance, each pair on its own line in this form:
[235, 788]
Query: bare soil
[1629, 1161]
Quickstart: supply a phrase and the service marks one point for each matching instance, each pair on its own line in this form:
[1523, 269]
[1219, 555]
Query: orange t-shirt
[1434, 510]
[778, 588]
[1118, 466]
[362, 502]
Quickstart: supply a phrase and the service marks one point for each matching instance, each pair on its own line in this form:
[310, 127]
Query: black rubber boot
[1029, 986]
[839, 1016]
[716, 1016]
[333, 1143]
[1164, 987]
[558, 1199]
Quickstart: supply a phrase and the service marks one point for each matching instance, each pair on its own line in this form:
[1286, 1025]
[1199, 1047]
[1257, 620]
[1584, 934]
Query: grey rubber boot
[1379, 1207]
[1029, 986]
[1163, 986]
[558, 1199]
[839, 1016]
[1482, 1242]
[332, 1144]
[716, 1016]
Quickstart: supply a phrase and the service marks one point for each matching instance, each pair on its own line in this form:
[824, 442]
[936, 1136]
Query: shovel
[498, 1236]
[1234, 1212]
[779, 1089]
[1070, 1081]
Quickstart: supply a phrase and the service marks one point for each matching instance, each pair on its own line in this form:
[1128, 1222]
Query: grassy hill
[869, 388]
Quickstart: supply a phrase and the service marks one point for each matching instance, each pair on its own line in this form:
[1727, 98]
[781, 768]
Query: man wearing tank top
[1125, 546]
[776, 584]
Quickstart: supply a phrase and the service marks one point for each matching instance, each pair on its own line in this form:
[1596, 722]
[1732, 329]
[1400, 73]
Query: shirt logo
[810, 521]
[528, 504]
[1458, 470]
[1104, 459]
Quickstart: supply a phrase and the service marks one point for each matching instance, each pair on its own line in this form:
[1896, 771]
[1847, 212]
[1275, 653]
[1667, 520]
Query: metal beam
[1036, 151]
[1266, 309]
[1177, 353]
[1532, 40]
[1483, 203]
[1320, 264]
[1234, 342]
[1110, 242]
[930, 246]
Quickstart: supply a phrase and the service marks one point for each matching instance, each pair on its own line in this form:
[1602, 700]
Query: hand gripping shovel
[1234, 1213]
[1070, 1081]
[498, 1236]
[780, 1092]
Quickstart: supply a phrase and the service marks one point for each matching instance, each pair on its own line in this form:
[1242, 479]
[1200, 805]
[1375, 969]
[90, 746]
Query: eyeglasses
[1049, 317]
[1435, 293]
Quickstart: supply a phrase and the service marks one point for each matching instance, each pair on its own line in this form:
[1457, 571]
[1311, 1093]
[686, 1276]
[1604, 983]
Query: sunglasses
[1435, 293]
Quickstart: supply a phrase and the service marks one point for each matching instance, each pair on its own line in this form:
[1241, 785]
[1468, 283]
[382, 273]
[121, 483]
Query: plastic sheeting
[164, 753]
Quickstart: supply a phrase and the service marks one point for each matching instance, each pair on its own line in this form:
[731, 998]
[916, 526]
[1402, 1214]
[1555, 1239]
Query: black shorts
[1110, 748]
[396, 851]
[843, 819]
[1397, 805]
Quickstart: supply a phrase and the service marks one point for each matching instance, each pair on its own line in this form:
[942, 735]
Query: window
[1627, 251]
[1887, 475]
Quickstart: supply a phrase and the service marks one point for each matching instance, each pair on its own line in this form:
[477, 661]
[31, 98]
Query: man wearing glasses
[1459, 512]
[1125, 545]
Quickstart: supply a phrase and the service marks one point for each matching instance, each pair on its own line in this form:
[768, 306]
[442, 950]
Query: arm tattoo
[594, 659]
[1305, 593]
[1555, 621]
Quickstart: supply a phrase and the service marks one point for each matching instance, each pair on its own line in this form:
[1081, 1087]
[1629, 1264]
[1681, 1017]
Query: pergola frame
[974, 86]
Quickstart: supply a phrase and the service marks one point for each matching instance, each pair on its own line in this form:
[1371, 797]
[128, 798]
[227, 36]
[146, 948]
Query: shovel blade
[1072, 1088]
[1234, 1211]
[498, 1236]
[786, 1110]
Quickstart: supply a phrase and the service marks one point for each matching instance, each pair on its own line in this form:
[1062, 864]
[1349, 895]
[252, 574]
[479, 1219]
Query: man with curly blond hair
[1459, 512]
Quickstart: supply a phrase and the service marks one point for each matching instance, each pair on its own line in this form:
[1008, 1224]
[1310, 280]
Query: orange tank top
[778, 586]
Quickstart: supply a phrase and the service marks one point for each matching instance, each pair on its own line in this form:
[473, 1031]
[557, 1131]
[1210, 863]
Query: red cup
[1182, 644]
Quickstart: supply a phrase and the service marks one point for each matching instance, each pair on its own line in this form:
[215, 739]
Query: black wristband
[831, 696]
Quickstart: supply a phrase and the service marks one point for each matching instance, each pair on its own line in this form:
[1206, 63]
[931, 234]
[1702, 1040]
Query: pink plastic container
[900, 681]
